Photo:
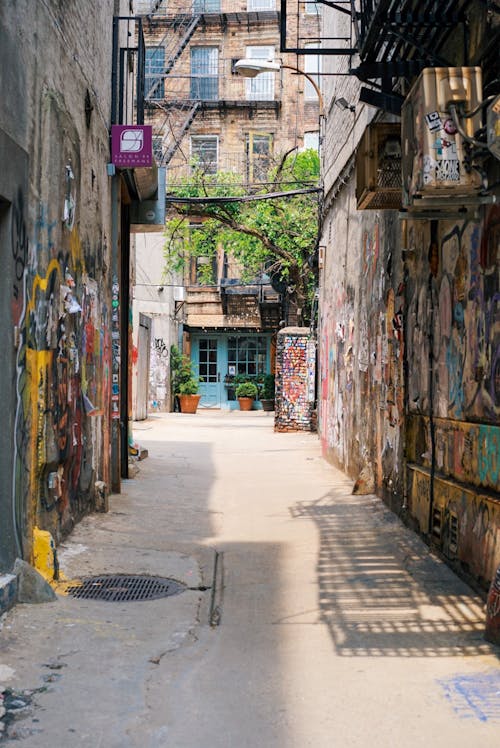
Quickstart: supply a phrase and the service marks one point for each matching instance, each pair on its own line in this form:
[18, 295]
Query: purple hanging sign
[131, 145]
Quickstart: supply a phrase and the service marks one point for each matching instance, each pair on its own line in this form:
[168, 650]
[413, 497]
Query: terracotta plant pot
[245, 403]
[189, 403]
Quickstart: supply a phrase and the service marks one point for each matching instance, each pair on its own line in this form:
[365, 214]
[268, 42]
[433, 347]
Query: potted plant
[184, 383]
[267, 393]
[188, 395]
[246, 392]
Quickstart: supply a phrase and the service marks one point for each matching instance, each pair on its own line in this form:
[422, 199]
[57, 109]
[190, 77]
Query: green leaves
[277, 235]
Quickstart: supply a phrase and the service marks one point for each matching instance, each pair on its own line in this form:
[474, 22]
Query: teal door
[208, 355]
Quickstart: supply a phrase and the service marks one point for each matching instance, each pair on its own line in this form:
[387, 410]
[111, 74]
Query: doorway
[208, 369]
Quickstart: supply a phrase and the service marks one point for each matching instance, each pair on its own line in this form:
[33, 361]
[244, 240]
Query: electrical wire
[241, 198]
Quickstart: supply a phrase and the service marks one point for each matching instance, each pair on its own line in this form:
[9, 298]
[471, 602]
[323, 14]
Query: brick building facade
[206, 115]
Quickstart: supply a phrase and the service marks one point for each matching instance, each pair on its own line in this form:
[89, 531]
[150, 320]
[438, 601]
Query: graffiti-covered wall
[361, 346]
[55, 76]
[453, 343]
[428, 442]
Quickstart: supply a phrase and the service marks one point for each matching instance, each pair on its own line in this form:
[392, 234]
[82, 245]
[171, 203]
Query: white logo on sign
[131, 141]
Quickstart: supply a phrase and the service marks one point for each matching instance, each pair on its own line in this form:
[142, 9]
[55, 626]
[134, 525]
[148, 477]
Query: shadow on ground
[381, 592]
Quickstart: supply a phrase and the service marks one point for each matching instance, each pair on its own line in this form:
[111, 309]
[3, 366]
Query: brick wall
[295, 359]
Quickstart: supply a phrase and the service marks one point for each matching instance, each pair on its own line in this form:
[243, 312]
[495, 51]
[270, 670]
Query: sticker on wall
[448, 170]
[433, 121]
[70, 200]
[449, 127]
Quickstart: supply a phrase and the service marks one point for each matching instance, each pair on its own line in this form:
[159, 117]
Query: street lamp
[250, 68]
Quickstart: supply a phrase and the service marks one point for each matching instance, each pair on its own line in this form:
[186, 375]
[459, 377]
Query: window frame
[253, 5]
[314, 11]
[154, 75]
[241, 359]
[314, 62]
[205, 6]
[252, 158]
[208, 78]
[262, 87]
[199, 138]
[316, 135]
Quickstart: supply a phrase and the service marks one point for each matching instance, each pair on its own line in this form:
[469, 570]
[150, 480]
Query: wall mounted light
[343, 104]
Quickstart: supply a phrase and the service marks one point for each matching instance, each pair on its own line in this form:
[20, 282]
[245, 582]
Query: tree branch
[230, 222]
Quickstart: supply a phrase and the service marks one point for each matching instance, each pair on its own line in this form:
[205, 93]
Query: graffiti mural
[452, 433]
[62, 385]
[295, 363]
[361, 406]
[457, 306]
[159, 375]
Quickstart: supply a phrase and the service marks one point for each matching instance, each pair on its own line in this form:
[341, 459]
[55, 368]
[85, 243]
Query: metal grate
[437, 522]
[453, 533]
[120, 588]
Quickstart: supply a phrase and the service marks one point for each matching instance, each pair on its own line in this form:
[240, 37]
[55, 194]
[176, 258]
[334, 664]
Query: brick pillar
[295, 378]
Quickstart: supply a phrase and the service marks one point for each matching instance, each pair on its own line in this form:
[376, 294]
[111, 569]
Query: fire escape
[181, 93]
[391, 41]
[177, 35]
[179, 88]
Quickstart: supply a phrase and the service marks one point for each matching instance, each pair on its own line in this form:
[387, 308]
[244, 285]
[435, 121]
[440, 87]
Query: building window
[204, 73]
[260, 88]
[247, 355]
[154, 73]
[203, 271]
[204, 153]
[312, 66]
[258, 151]
[312, 9]
[206, 6]
[311, 140]
[261, 5]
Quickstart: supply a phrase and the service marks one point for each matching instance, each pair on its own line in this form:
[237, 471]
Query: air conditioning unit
[434, 154]
[378, 168]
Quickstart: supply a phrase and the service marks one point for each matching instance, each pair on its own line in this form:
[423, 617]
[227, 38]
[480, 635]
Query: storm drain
[115, 588]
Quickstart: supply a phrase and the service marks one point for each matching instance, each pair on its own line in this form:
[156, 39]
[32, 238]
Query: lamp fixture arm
[313, 84]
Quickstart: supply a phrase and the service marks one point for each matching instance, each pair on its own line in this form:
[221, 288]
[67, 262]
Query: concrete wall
[154, 296]
[55, 291]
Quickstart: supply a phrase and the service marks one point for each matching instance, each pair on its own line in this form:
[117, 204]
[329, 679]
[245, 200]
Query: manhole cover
[124, 588]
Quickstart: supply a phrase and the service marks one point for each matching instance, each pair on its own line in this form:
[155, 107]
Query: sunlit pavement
[332, 623]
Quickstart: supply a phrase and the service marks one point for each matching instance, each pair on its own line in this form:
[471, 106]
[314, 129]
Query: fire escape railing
[128, 55]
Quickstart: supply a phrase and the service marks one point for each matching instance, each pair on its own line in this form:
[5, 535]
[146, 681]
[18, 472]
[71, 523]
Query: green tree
[277, 235]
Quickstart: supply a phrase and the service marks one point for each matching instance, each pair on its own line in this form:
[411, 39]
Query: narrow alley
[310, 616]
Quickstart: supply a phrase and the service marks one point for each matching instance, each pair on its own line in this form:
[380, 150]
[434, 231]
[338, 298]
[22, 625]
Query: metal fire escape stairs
[184, 27]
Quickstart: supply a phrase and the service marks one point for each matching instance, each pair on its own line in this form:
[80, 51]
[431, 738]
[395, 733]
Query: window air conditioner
[378, 168]
[434, 154]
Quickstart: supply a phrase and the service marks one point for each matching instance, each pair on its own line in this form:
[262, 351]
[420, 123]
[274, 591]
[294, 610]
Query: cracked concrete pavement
[337, 626]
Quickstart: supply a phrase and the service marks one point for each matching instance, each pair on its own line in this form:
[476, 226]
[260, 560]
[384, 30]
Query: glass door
[208, 368]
